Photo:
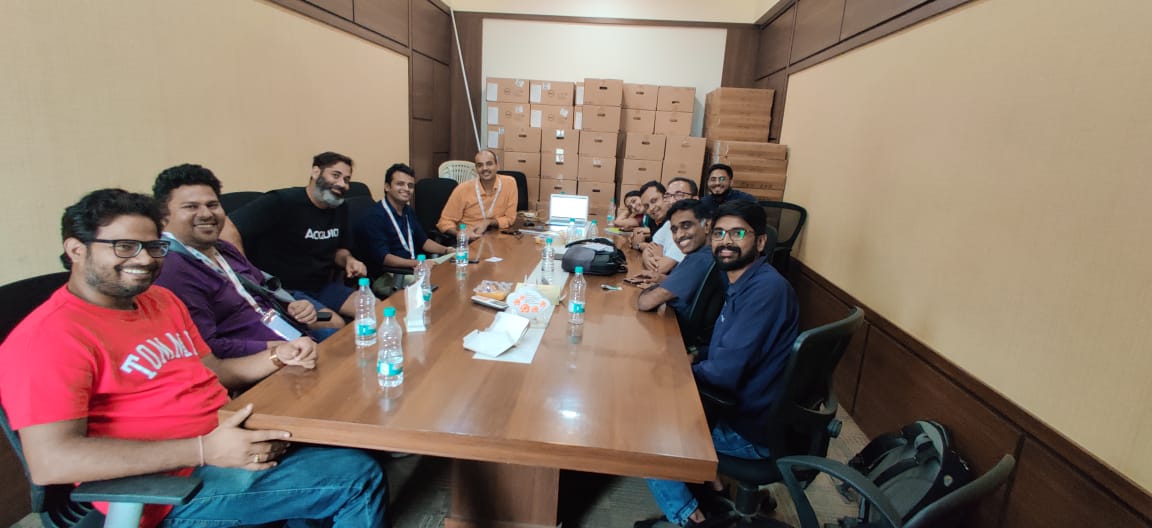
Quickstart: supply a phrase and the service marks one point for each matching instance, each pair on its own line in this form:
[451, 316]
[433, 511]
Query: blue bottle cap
[363, 281]
[579, 270]
[390, 311]
[548, 241]
[421, 258]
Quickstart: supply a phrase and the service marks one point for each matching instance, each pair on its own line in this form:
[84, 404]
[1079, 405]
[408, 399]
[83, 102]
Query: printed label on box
[534, 93]
[494, 139]
[493, 115]
[537, 119]
[493, 91]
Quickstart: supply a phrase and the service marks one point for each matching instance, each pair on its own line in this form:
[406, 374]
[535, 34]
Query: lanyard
[221, 266]
[499, 185]
[407, 245]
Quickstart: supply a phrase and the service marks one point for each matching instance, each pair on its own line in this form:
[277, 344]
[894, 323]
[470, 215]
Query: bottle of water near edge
[577, 293]
[462, 247]
[611, 212]
[547, 263]
[365, 315]
[573, 233]
[424, 277]
[593, 232]
[390, 360]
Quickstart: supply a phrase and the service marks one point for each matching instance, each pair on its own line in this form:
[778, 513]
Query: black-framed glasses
[737, 234]
[127, 248]
[717, 179]
[678, 195]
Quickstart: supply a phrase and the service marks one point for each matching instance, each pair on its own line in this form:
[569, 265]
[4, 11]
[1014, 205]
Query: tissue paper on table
[500, 336]
[414, 303]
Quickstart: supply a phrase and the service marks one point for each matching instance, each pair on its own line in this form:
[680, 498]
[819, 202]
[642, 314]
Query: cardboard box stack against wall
[736, 123]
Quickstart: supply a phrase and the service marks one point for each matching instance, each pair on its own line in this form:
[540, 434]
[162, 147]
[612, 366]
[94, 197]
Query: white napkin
[414, 299]
[500, 336]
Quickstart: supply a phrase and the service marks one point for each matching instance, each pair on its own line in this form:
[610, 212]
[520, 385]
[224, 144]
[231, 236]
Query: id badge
[282, 328]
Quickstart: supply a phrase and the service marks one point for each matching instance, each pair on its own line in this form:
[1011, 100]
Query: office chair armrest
[867, 490]
[715, 397]
[143, 489]
[397, 271]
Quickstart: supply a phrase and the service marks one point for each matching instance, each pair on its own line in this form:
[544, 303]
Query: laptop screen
[565, 206]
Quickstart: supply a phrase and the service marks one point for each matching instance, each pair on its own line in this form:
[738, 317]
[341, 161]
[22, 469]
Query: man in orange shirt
[485, 202]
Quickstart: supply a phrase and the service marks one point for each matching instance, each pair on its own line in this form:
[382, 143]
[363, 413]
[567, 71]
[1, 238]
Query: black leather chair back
[788, 219]
[428, 200]
[358, 189]
[696, 327]
[521, 189]
[231, 201]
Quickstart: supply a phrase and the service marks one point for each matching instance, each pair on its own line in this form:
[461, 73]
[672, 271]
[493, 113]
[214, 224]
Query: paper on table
[493, 259]
[414, 301]
[500, 336]
[444, 258]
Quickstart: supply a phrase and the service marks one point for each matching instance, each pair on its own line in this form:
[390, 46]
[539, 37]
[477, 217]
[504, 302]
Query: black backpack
[598, 256]
[913, 467]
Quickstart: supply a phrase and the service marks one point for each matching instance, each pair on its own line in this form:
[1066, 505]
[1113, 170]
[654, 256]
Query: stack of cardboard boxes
[656, 142]
[736, 122]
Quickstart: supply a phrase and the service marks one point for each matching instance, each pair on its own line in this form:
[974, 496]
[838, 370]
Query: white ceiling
[737, 11]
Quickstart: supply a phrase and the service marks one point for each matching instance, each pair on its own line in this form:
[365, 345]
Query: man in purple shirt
[208, 274]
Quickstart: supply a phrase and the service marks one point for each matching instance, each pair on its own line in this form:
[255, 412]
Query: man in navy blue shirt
[389, 234]
[749, 351]
[720, 187]
[690, 222]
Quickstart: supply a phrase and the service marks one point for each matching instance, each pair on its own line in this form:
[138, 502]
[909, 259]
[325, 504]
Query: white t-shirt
[663, 236]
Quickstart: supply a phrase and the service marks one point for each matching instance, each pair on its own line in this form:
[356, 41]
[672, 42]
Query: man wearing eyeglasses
[720, 187]
[662, 254]
[748, 352]
[109, 378]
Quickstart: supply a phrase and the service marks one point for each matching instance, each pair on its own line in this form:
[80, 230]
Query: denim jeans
[344, 485]
[674, 498]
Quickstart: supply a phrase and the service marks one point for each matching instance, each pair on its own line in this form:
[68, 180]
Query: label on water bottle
[576, 307]
[365, 329]
[389, 369]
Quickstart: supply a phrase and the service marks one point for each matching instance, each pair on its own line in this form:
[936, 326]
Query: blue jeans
[344, 485]
[674, 498]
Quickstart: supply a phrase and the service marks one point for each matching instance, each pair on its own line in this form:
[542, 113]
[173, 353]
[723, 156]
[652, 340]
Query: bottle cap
[593, 222]
[421, 258]
[548, 241]
[463, 227]
[390, 311]
[579, 269]
[363, 281]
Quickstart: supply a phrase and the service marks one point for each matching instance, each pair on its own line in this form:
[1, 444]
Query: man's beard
[112, 286]
[325, 194]
[739, 261]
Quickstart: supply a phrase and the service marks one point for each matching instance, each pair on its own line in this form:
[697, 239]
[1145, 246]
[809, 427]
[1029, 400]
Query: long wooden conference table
[622, 401]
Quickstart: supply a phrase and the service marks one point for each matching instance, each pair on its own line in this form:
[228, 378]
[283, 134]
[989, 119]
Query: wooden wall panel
[422, 86]
[341, 8]
[863, 14]
[818, 307]
[1049, 492]
[817, 26]
[431, 30]
[422, 137]
[441, 110]
[386, 17]
[470, 28]
[776, 43]
[740, 52]
[779, 82]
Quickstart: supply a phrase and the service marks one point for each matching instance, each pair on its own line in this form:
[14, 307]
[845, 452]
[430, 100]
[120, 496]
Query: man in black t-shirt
[298, 234]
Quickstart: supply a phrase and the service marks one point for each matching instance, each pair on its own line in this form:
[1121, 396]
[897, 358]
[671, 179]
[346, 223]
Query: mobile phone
[477, 261]
[491, 303]
[633, 281]
[323, 316]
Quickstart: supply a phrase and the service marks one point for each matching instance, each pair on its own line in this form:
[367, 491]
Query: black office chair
[788, 219]
[64, 505]
[358, 189]
[521, 188]
[231, 201]
[696, 327]
[948, 510]
[803, 419]
[428, 200]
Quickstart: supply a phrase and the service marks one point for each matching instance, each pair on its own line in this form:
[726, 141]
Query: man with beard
[748, 353]
[299, 233]
[720, 187]
[690, 223]
[662, 254]
[208, 274]
[485, 202]
[389, 234]
[109, 378]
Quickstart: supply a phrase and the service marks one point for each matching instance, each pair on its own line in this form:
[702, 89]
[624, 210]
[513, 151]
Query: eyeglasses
[678, 195]
[736, 235]
[125, 248]
[717, 179]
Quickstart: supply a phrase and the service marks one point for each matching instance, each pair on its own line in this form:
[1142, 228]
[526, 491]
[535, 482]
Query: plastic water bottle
[424, 277]
[577, 293]
[462, 247]
[390, 360]
[611, 213]
[365, 315]
[573, 231]
[547, 263]
[593, 232]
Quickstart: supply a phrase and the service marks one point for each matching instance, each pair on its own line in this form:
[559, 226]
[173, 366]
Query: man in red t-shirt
[110, 378]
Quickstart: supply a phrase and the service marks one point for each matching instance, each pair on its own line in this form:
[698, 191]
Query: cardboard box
[640, 96]
[494, 139]
[640, 121]
[673, 123]
[644, 146]
[738, 114]
[579, 93]
[602, 144]
[676, 99]
[600, 194]
[555, 93]
[526, 162]
[683, 158]
[553, 117]
[521, 139]
[625, 188]
[737, 128]
[597, 118]
[552, 139]
[756, 166]
[593, 168]
[533, 189]
[559, 165]
[638, 172]
[508, 114]
[549, 186]
[500, 90]
[603, 92]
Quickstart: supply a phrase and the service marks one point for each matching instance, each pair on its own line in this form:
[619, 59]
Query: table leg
[490, 495]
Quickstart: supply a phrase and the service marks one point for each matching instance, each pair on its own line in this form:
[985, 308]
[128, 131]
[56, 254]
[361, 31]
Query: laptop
[563, 208]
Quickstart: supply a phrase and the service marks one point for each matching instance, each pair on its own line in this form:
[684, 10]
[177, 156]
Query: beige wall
[982, 181]
[737, 11]
[98, 94]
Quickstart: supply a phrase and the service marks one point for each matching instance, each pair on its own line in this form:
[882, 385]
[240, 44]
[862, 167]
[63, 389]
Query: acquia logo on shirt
[316, 234]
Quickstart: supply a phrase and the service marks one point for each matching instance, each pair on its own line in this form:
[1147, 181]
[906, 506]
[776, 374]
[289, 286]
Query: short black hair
[718, 166]
[691, 184]
[99, 208]
[654, 183]
[751, 212]
[173, 178]
[633, 192]
[324, 160]
[397, 167]
[698, 209]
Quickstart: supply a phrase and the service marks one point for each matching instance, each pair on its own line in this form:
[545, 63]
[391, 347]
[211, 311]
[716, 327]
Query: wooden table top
[622, 401]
